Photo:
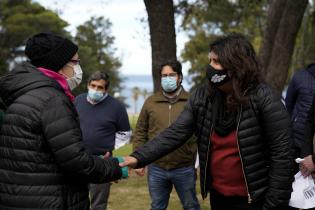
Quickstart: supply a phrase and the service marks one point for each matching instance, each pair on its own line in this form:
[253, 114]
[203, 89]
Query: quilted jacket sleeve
[291, 96]
[307, 148]
[276, 126]
[62, 132]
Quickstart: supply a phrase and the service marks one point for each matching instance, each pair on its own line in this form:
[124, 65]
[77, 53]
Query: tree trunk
[284, 41]
[275, 12]
[311, 54]
[302, 45]
[162, 33]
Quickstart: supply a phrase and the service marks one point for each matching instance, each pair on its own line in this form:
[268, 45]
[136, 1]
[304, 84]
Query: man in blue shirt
[102, 119]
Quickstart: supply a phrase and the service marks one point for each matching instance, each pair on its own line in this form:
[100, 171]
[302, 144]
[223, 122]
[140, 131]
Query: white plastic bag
[303, 195]
[122, 138]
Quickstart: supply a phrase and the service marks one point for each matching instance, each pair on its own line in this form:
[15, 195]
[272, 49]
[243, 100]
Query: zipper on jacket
[169, 123]
[204, 182]
[169, 114]
[239, 152]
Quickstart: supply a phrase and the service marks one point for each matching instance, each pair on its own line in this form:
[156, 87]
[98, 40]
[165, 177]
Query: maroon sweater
[225, 165]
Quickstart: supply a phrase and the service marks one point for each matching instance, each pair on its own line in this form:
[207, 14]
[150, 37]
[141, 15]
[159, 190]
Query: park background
[130, 39]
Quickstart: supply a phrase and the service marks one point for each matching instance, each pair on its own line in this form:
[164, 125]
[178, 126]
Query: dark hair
[98, 75]
[175, 65]
[237, 56]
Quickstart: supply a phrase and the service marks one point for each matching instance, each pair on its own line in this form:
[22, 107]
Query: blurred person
[177, 168]
[102, 118]
[298, 100]
[299, 97]
[306, 147]
[43, 162]
[243, 130]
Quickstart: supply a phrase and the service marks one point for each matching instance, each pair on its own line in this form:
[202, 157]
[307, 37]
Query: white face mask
[75, 81]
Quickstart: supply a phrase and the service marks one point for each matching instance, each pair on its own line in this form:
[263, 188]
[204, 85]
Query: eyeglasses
[75, 61]
[169, 75]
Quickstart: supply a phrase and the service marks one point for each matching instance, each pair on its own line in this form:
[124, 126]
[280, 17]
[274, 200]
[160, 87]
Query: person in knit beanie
[50, 51]
[44, 163]
[55, 53]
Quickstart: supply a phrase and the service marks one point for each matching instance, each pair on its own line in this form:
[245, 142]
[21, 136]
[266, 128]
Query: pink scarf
[60, 79]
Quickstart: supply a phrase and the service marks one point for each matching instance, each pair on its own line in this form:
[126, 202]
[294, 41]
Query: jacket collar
[21, 79]
[159, 97]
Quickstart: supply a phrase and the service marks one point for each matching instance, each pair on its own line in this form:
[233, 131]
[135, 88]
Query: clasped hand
[131, 162]
[307, 166]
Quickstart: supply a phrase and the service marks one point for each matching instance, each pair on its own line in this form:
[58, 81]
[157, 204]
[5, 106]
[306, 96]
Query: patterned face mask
[217, 77]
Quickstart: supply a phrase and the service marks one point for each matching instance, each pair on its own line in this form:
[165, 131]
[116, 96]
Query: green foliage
[195, 52]
[205, 20]
[224, 16]
[123, 151]
[97, 53]
[19, 20]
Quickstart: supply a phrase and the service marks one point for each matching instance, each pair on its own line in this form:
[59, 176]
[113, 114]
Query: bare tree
[162, 33]
[279, 39]
[275, 12]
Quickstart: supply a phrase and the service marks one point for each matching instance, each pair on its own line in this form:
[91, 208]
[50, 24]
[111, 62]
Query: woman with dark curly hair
[243, 131]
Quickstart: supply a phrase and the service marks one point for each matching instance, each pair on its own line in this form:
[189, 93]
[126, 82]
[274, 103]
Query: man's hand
[307, 166]
[140, 171]
[129, 161]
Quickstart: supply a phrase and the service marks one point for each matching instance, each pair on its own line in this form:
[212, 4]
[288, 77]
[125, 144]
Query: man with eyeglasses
[176, 169]
[44, 164]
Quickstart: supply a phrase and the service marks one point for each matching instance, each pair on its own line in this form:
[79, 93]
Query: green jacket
[157, 114]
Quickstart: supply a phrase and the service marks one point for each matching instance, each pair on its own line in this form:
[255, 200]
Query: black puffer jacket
[264, 139]
[43, 163]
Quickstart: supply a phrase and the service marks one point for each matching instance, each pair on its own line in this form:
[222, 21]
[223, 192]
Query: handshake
[124, 163]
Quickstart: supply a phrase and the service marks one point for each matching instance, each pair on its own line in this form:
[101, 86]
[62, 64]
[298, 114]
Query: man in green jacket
[177, 168]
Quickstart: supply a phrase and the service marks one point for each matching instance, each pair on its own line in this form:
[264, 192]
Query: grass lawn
[132, 193]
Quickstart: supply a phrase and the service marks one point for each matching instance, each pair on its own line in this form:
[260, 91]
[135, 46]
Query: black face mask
[217, 77]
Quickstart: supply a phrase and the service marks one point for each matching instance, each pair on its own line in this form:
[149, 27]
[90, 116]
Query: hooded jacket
[43, 163]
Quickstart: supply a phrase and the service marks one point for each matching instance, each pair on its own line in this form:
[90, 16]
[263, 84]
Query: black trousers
[99, 194]
[221, 202]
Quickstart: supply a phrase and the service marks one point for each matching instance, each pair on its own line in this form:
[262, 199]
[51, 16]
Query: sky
[132, 38]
